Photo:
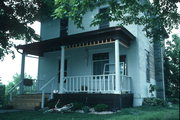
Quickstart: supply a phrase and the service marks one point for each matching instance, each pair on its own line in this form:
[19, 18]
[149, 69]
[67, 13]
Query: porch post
[117, 67]
[22, 72]
[62, 70]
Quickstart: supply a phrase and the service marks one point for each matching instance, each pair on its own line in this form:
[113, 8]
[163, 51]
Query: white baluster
[104, 81]
[100, 84]
[73, 85]
[108, 83]
[88, 84]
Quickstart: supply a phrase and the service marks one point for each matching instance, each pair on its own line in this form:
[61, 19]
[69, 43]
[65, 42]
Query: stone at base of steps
[27, 101]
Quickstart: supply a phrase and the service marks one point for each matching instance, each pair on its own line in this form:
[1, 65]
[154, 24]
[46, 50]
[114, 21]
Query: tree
[172, 67]
[153, 16]
[16, 80]
[15, 16]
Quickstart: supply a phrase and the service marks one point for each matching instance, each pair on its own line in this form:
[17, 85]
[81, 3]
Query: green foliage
[77, 106]
[101, 107]
[16, 80]
[153, 16]
[173, 100]
[152, 88]
[153, 101]
[15, 16]
[86, 109]
[172, 67]
[2, 95]
[51, 103]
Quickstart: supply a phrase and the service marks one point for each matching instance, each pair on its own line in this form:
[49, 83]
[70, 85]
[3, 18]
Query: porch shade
[111, 33]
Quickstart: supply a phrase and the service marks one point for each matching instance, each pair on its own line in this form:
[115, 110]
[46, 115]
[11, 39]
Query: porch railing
[95, 84]
[125, 84]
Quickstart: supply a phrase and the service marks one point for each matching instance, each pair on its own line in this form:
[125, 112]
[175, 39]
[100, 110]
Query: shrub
[86, 109]
[173, 100]
[51, 103]
[101, 107]
[153, 101]
[77, 106]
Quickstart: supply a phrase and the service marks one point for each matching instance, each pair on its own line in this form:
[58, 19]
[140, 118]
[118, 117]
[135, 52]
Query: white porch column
[22, 72]
[62, 70]
[117, 67]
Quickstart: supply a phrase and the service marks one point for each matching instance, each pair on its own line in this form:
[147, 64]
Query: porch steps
[26, 101]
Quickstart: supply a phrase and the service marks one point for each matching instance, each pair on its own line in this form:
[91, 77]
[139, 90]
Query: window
[63, 27]
[123, 65]
[99, 60]
[147, 67]
[105, 22]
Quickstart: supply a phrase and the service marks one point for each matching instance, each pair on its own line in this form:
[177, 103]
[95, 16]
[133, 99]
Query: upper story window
[63, 27]
[105, 22]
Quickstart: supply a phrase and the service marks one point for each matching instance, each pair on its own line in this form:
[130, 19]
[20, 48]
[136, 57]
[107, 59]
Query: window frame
[100, 60]
[106, 23]
[64, 28]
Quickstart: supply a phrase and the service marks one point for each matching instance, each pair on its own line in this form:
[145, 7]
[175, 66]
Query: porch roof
[111, 33]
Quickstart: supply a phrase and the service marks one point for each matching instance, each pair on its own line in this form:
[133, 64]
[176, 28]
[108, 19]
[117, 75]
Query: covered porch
[106, 83]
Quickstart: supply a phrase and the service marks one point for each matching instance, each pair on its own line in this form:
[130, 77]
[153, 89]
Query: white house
[104, 60]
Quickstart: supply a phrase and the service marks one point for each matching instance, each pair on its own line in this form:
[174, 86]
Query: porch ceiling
[111, 33]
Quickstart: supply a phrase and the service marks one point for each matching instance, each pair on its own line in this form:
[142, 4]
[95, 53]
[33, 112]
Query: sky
[9, 66]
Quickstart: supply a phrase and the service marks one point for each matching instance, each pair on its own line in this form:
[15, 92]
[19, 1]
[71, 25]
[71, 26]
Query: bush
[100, 107]
[173, 100]
[2, 95]
[86, 109]
[153, 101]
[77, 106]
[51, 103]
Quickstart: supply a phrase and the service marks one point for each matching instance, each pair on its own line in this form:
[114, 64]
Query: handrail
[14, 87]
[45, 85]
[10, 91]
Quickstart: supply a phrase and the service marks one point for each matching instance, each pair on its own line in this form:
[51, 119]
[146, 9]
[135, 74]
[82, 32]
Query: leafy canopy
[153, 16]
[172, 67]
[15, 16]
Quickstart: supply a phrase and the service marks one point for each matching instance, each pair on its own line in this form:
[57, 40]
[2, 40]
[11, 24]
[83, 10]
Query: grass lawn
[140, 113]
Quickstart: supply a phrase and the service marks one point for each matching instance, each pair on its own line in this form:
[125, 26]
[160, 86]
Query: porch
[92, 83]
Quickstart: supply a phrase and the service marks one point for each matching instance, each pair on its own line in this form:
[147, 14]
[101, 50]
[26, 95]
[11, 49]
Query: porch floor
[114, 101]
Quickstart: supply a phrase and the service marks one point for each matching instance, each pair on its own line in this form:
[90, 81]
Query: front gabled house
[100, 64]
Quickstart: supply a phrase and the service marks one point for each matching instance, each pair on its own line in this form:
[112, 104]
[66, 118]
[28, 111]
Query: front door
[59, 68]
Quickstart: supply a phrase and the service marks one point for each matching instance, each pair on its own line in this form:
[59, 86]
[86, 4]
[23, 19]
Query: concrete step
[27, 102]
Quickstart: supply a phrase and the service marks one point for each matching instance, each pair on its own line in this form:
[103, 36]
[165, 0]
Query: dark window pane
[100, 56]
[99, 60]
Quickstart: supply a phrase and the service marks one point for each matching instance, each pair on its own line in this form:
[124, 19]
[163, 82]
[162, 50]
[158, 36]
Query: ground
[140, 113]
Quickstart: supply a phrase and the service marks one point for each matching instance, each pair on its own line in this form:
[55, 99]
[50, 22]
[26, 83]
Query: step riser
[26, 102]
